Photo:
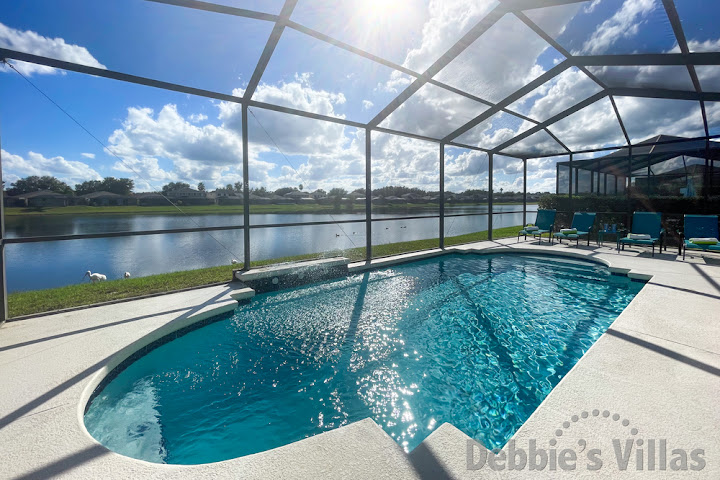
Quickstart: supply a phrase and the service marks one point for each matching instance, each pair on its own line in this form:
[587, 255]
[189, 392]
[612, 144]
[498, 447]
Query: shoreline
[232, 209]
[83, 294]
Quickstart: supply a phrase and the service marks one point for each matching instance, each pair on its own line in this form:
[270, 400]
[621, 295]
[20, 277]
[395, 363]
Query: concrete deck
[658, 367]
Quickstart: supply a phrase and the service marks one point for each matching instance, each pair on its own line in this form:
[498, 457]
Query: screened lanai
[459, 103]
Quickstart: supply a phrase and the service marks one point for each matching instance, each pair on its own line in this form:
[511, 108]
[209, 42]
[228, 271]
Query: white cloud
[31, 42]
[367, 104]
[197, 118]
[625, 23]
[69, 171]
[88, 155]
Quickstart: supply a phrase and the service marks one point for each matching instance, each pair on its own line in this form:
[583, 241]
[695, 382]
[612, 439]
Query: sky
[155, 136]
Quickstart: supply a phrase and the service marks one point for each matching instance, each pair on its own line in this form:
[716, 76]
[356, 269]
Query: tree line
[34, 183]
[125, 186]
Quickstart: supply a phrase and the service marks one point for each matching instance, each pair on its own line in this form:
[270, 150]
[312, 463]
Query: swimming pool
[474, 340]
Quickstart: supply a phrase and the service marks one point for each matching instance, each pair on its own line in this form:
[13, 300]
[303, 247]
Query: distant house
[41, 198]
[394, 200]
[318, 194]
[258, 200]
[296, 195]
[190, 196]
[148, 199]
[186, 193]
[278, 200]
[107, 199]
[222, 193]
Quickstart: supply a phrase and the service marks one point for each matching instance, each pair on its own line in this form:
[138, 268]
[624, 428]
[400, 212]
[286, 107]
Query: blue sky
[165, 136]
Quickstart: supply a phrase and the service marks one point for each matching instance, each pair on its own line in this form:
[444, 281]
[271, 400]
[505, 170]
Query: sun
[379, 9]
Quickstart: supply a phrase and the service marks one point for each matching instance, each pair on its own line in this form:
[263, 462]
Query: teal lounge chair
[584, 223]
[649, 223]
[699, 226]
[545, 221]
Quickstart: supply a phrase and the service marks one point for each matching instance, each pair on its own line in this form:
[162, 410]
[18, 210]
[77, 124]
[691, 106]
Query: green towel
[568, 231]
[704, 241]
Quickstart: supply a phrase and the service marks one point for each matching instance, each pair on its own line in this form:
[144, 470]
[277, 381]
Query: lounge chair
[583, 223]
[701, 228]
[545, 222]
[648, 224]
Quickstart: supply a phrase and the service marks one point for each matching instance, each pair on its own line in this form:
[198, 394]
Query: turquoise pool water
[477, 341]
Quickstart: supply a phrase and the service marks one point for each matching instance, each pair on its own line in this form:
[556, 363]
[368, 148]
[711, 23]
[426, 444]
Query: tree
[284, 190]
[260, 192]
[337, 192]
[88, 186]
[34, 183]
[173, 186]
[201, 187]
[229, 187]
[239, 187]
[361, 191]
[120, 186]
[300, 187]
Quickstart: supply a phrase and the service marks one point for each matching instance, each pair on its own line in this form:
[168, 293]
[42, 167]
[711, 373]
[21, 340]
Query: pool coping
[403, 467]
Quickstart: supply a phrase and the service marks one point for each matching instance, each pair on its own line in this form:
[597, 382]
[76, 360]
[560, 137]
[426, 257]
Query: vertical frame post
[3, 277]
[368, 195]
[577, 174]
[570, 181]
[525, 191]
[557, 179]
[490, 196]
[627, 190]
[246, 187]
[592, 181]
[442, 195]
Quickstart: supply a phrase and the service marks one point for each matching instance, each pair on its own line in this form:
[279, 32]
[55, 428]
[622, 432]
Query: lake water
[33, 266]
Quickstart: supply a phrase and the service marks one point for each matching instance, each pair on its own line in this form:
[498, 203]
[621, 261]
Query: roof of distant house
[103, 194]
[41, 193]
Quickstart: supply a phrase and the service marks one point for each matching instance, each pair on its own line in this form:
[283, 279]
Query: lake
[34, 266]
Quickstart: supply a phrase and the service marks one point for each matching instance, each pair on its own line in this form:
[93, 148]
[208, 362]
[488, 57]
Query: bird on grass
[126, 275]
[95, 277]
[234, 262]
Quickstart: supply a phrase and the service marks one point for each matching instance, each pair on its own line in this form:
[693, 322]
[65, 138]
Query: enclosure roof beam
[481, 27]
[664, 93]
[123, 77]
[555, 118]
[517, 95]
[643, 59]
[682, 43]
[272, 42]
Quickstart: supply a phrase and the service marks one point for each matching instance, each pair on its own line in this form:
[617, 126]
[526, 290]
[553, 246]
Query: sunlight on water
[477, 341]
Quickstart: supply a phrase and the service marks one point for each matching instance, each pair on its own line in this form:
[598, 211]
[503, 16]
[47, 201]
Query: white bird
[126, 275]
[95, 277]
[233, 261]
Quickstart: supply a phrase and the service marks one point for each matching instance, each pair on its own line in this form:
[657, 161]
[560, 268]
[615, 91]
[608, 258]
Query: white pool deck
[658, 367]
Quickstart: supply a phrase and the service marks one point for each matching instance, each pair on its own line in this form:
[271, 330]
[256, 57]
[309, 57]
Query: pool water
[475, 340]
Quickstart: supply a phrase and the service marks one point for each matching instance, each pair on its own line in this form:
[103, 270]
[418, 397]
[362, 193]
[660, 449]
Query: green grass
[36, 301]
[222, 209]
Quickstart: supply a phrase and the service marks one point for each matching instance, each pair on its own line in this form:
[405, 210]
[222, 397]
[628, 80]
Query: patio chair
[582, 223]
[648, 224]
[702, 229]
[545, 222]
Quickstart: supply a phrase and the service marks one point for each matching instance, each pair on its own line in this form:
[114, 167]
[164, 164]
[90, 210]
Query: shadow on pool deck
[665, 351]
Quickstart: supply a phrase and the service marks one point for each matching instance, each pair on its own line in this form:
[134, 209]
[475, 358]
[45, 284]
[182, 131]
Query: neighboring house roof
[296, 194]
[147, 195]
[102, 194]
[41, 193]
[185, 190]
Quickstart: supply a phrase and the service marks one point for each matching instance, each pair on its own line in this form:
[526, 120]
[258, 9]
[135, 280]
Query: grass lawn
[225, 209]
[36, 301]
